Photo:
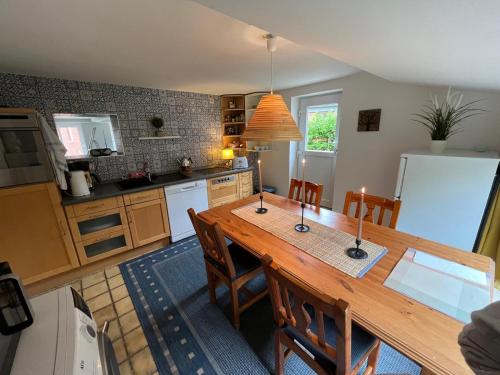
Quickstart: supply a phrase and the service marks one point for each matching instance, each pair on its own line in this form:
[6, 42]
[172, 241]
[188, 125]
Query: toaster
[240, 162]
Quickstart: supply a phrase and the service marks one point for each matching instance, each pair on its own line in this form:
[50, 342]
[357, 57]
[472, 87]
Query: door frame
[302, 103]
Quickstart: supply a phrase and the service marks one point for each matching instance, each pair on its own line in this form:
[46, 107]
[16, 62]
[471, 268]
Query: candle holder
[261, 210]
[356, 252]
[302, 227]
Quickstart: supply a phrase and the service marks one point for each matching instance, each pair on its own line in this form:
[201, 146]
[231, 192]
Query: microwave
[23, 157]
[63, 340]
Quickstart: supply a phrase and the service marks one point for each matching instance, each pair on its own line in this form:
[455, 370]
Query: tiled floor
[107, 297]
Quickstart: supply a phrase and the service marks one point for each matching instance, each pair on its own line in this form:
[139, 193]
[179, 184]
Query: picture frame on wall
[369, 120]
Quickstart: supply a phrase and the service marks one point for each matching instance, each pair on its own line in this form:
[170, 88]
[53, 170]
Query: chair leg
[373, 359]
[235, 306]
[211, 286]
[279, 355]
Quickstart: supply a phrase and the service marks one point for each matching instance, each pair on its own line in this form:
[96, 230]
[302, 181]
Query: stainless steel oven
[23, 158]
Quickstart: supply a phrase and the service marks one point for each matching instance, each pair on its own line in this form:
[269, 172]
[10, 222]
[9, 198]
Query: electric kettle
[16, 312]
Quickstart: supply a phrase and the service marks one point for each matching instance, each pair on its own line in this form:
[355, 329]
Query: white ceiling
[435, 42]
[170, 44]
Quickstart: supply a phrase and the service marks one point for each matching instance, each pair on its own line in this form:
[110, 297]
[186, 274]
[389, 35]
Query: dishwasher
[179, 199]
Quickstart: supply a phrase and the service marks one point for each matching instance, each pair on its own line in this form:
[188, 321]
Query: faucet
[146, 170]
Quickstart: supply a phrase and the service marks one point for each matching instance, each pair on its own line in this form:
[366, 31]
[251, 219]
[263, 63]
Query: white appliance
[179, 199]
[240, 162]
[444, 195]
[63, 339]
[79, 183]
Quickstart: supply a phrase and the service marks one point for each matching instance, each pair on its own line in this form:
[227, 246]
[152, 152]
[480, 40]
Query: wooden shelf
[259, 151]
[166, 137]
[234, 123]
[233, 109]
[232, 135]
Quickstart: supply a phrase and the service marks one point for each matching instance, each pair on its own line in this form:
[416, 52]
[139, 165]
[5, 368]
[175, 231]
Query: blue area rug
[189, 335]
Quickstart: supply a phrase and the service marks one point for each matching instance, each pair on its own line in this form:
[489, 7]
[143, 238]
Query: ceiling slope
[169, 44]
[431, 42]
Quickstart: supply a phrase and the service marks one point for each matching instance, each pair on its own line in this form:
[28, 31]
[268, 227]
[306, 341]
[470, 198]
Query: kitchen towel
[55, 150]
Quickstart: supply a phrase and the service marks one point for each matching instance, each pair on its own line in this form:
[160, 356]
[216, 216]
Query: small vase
[437, 147]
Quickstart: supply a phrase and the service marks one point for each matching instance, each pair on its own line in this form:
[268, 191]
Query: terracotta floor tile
[107, 313]
[95, 290]
[93, 279]
[112, 271]
[115, 281]
[119, 293]
[121, 353]
[99, 302]
[135, 341]
[126, 369]
[143, 362]
[123, 306]
[114, 331]
[129, 321]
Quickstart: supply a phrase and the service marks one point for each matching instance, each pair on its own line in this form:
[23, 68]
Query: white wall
[371, 159]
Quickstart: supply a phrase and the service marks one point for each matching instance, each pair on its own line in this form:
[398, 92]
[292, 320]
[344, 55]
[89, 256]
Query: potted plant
[442, 119]
[158, 123]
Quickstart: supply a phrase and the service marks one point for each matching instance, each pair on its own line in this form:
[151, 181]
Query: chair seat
[243, 261]
[361, 342]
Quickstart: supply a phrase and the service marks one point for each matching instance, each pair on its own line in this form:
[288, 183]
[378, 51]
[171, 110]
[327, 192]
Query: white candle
[360, 218]
[303, 180]
[260, 177]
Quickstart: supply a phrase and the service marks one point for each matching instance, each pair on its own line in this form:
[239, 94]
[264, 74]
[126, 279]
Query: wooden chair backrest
[372, 202]
[314, 192]
[289, 295]
[212, 242]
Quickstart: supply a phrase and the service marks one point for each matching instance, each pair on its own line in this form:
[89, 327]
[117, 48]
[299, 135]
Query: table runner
[325, 243]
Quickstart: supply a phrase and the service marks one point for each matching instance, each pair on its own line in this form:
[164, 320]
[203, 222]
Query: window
[321, 127]
[82, 132]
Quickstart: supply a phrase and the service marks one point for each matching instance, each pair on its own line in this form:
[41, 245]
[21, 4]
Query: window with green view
[321, 127]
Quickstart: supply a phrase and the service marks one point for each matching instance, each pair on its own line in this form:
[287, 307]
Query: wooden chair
[371, 202]
[313, 192]
[316, 327]
[230, 264]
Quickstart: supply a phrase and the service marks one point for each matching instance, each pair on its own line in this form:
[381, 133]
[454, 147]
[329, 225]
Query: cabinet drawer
[143, 196]
[103, 246]
[94, 206]
[89, 226]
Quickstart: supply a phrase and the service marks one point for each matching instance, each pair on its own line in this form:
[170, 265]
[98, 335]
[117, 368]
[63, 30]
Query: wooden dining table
[421, 333]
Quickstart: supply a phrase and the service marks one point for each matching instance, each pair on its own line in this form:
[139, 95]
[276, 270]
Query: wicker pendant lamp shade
[272, 122]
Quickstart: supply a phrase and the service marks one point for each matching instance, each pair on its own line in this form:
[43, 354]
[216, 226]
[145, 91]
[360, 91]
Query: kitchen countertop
[112, 189]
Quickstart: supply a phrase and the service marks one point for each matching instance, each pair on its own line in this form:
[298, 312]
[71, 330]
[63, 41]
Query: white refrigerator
[443, 196]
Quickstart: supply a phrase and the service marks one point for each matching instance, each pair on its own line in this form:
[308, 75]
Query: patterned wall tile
[195, 117]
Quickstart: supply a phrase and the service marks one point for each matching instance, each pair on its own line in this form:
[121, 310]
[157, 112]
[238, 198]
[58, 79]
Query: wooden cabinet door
[148, 221]
[245, 184]
[34, 235]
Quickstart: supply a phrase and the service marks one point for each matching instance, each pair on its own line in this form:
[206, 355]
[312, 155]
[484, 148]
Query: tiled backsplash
[195, 117]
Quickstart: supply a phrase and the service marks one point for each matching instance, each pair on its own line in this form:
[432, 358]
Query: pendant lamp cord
[271, 72]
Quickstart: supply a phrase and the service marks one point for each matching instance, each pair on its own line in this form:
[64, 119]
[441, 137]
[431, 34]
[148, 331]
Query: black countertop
[112, 188]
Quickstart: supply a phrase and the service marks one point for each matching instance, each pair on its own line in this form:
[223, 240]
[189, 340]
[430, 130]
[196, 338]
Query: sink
[133, 183]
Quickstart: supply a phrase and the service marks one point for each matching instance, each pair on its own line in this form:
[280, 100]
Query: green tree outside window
[321, 130]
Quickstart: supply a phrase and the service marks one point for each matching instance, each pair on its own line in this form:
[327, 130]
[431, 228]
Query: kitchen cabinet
[148, 221]
[245, 184]
[222, 190]
[99, 228]
[34, 235]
